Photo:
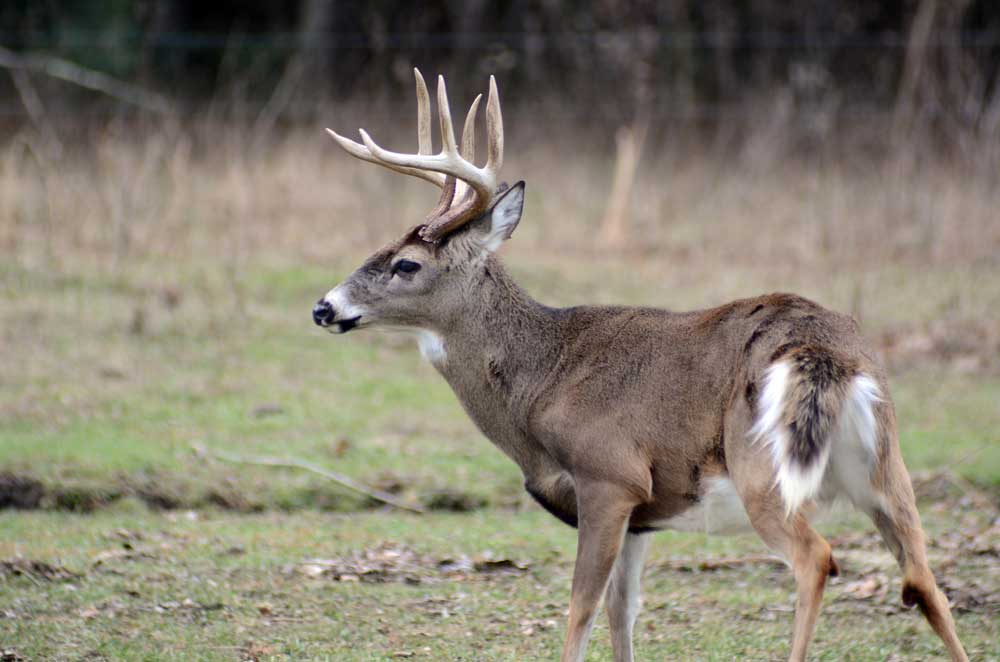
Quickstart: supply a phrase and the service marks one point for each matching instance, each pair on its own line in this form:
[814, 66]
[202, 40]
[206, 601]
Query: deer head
[425, 278]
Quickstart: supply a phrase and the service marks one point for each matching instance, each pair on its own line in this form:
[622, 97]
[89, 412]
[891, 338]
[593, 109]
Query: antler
[449, 166]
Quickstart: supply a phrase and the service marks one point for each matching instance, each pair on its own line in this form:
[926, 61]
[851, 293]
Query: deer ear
[503, 217]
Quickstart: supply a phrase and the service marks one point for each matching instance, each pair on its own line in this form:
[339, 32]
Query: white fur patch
[337, 298]
[431, 346]
[719, 510]
[852, 446]
[796, 484]
[855, 447]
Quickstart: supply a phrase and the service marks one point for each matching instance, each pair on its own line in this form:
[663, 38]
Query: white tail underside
[845, 461]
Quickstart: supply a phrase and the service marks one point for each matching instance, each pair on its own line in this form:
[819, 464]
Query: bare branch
[36, 111]
[86, 78]
[292, 463]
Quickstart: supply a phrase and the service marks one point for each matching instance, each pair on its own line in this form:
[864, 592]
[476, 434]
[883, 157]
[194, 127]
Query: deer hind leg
[808, 554]
[622, 597]
[790, 536]
[898, 521]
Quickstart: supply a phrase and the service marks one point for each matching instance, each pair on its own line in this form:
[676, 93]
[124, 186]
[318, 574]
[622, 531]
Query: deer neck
[497, 355]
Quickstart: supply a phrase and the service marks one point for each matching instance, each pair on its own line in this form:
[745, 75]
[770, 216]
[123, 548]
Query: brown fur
[617, 415]
[820, 378]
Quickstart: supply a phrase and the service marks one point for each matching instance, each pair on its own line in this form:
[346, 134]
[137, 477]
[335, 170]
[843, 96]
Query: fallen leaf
[267, 409]
[35, 570]
[875, 585]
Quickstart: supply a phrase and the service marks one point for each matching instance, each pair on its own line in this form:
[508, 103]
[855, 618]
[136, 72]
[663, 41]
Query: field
[155, 298]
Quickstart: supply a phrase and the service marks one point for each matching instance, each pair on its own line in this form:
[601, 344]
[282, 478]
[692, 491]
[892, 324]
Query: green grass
[106, 385]
[223, 583]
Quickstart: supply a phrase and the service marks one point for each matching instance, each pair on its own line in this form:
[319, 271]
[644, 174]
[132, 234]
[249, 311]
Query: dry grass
[179, 191]
[155, 202]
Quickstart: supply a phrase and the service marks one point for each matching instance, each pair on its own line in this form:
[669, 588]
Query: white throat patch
[431, 346]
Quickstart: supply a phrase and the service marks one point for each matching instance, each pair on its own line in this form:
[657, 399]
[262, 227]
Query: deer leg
[899, 523]
[811, 560]
[791, 537]
[622, 597]
[604, 510]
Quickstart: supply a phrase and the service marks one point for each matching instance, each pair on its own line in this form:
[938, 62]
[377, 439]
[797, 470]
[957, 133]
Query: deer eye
[406, 267]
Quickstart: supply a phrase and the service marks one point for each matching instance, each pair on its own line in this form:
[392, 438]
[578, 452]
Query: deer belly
[718, 510]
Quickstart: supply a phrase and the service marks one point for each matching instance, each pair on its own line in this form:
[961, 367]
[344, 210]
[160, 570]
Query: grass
[223, 585]
[119, 354]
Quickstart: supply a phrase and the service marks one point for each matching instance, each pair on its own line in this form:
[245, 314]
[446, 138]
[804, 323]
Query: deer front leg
[622, 598]
[603, 509]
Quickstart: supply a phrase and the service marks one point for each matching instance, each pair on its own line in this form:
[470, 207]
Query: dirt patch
[229, 498]
[454, 501]
[83, 499]
[168, 493]
[24, 491]
[20, 491]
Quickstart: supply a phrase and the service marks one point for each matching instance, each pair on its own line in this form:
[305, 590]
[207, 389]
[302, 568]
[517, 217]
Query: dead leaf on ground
[487, 562]
[125, 554]
[340, 447]
[875, 585]
[972, 595]
[254, 652]
[36, 570]
[267, 409]
[390, 562]
[390, 482]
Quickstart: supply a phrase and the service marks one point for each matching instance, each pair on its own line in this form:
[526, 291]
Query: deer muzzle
[326, 315]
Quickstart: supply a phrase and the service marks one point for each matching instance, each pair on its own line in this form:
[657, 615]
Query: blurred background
[170, 209]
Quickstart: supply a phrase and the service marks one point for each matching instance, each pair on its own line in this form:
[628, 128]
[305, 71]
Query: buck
[629, 420]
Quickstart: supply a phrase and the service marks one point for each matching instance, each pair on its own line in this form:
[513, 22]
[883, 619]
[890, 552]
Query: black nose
[323, 313]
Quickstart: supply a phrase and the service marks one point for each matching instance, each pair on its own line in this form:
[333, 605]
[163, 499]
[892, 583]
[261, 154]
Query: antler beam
[479, 183]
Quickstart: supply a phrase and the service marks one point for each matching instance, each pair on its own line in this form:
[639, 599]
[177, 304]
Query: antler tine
[423, 139]
[469, 132]
[494, 129]
[361, 152]
[423, 114]
[444, 114]
[483, 186]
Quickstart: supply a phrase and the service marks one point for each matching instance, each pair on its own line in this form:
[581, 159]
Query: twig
[725, 563]
[36, 111]
[84, 77]
[292, 463]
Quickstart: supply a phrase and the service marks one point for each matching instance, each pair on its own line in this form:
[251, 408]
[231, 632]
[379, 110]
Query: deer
[628, 420]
